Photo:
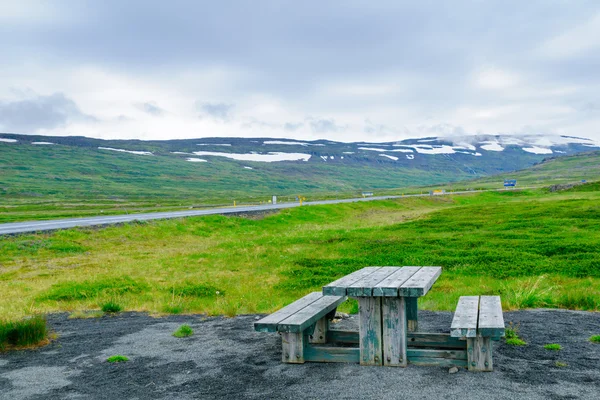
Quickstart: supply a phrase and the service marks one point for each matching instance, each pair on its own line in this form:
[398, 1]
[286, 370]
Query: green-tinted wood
[292, 346]
[310, 314]
[491, 320]
[365, 285]
[332, 354]
[338, 287]
[412, 314]
[270, 322]
[479, 350]
[319, 334]
[390, 285]
[464, 323]
[437, 362]
[370, 330]
[420, 283]
[394, 331]
[437, 353]
[339, 336]
[434, 340]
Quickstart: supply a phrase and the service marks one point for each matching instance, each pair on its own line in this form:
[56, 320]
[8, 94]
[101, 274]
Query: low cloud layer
[340, 70]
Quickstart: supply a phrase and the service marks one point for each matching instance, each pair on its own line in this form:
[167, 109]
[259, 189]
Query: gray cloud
[325, 126]
[150, 108]
[292, 127]
[220, 111]
[41, 112]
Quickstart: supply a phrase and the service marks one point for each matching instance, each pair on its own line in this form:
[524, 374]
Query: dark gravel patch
[226, 359]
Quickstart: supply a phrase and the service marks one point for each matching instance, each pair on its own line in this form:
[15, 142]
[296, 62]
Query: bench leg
[394, 331]
[319, 335]
[293, 347]
[412, 314]
[479, 354]
[369, 311]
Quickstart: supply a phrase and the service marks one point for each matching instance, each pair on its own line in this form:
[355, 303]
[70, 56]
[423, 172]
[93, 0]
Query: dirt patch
[226, 358]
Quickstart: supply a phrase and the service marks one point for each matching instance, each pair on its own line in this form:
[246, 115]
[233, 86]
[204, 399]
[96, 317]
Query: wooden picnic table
[387, 299]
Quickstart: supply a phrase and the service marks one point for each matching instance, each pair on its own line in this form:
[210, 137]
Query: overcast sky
[340, 70]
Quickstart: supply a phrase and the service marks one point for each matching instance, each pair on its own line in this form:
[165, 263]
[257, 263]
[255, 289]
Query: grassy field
[534, 248]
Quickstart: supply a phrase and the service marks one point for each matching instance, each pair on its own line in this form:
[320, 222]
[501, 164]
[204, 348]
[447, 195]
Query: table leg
[412, 315]
[395, 327]
[370, 330]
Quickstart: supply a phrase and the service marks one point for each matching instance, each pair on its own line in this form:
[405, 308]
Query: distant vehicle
[510, 182]
[437, 192]
[583, 181]
[367, 194]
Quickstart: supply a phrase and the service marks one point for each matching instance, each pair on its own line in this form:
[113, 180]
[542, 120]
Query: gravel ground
[226, 359]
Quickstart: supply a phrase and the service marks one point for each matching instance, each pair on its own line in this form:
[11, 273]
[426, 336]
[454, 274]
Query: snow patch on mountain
[192, 159]
[8, 140]
[269, 157]
[537, 150]
[143, 153]
[42, 143]
[491, 146]
[390, 157]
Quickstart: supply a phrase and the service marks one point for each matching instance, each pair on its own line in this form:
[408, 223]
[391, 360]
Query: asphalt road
[49, 225]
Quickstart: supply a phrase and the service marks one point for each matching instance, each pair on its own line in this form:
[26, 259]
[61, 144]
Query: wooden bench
[301, 323]
[479, 321]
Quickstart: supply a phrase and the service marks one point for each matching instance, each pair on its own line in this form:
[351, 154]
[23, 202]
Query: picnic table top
[385, 282]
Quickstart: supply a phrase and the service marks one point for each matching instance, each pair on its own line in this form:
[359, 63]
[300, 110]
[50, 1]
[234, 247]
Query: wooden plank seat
[304, 322]
[478, 320]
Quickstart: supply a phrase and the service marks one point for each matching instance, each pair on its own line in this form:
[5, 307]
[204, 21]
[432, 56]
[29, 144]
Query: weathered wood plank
[269, 323]
[437, 353]
[479, 350]
[292, 346]
[420, 283]
[415, 339]
[319, 335]
[464, 323]
[491, 320]
[338, 287]
[370, 330]
[332, 354]
[390, 285]
[395, 326]
[412, 313]
[310, 314]
[436, 362]
[364, 286]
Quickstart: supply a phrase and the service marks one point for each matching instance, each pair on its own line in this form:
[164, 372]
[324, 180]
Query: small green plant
[511, 331]
[560, 364]
[553, 346]
[117, 358]
[183, 331]
[595, 339]
[516, 342]
[86, 314]
[26, 332]
[111, 307]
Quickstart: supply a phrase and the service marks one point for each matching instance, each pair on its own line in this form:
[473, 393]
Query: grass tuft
[516, 342]
[71, 290]
[26, 332]
[183, 331]
[595, 339]
[553, 346]
[117, 359]
[111, 307]
[561, 364]
[192, 289]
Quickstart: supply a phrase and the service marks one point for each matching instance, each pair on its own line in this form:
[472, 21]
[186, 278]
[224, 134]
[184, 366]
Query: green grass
[553, 346]
[183, 331]
[595, 339]
[117, 359]
[561, 364]
[111, 307]
[23, 333]
[516, 342]
[533, 248]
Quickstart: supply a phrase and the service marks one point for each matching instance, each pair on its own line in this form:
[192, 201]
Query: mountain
[215, 169]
